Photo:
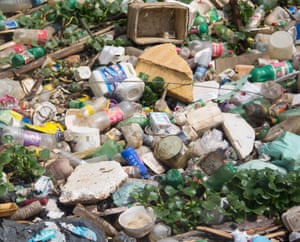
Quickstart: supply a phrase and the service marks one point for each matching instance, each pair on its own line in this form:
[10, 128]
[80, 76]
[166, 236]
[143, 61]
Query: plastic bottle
[27, 36]
[71, 3]
[18, 48]
[133, 159]
[221, 176]
[8, 6]
[98, 104]
[277, 14]
[27, 56]
[270, 72]
[224, 33]
[29, 138]
[202, 58]
[256, 18]
[104, 119]
[219, 49]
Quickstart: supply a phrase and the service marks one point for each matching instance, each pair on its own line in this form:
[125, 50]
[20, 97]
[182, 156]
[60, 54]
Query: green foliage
[22, 165]
[249, 193]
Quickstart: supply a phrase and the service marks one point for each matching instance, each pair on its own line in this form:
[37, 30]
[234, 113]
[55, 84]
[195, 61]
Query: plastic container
[28, 138]
[281, 45]
[105, 80]
[96, 105]
[271, 72]
[130, 89]
[28, 56]
[84, 138]
[28, 36]
[137, 221]
[6, 24]
[10, 51]
[133, 159]
[105, 119]
[277, 14]
[10, 6]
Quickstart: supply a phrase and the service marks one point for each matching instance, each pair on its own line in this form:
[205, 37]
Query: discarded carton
[239, 133]
[158, 22]
[206, 117]
[92, 182]
[162, 60]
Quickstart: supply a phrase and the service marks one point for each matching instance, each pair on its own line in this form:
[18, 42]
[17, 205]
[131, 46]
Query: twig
[215, 231]
[80, 211]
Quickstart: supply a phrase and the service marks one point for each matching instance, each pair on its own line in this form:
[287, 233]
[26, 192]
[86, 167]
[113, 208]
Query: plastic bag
[284, 150]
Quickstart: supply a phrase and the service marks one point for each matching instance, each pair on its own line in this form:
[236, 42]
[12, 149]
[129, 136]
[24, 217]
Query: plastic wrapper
[284, 151]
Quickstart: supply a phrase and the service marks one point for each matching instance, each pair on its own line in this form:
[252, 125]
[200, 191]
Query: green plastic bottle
[270, 72]
[221, 176]
[30, 55]
[173, 177]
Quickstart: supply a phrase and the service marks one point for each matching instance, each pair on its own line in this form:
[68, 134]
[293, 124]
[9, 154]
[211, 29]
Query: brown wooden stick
[215, 231]
[62, 53]
[276, 234]
[80, 211]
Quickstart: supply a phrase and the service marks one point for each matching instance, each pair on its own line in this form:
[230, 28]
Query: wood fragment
[276, 234]
[215, 231]
[80, 211]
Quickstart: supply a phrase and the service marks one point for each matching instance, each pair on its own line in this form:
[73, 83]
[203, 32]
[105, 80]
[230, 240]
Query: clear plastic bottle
[28, 36]
[24, 137]
[96, 105]
[27, 56]
[10, 6]
[202, 58]
[219, 49]
[17, 48]
[105, 119]
[256, 18]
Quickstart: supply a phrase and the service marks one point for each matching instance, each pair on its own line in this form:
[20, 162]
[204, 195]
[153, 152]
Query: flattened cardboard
[162, 60]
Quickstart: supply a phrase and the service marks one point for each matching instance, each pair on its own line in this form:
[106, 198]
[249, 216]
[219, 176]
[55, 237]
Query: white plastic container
[137, 221]
[281, 45]
[85, 138]
[105, 80]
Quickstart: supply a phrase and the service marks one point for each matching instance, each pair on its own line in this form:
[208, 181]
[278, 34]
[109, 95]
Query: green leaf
[190, 191]
[170, 191]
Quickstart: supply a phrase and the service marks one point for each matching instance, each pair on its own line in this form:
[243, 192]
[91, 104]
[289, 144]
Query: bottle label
[10, 24]
[281, 69]
[28, 57]
[19, 48]
[32, 138]
[112, 76]
[115, 115]
[42, 35]
[217, 49]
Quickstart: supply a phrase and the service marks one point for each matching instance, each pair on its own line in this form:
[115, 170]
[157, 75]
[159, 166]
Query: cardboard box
[158, 22]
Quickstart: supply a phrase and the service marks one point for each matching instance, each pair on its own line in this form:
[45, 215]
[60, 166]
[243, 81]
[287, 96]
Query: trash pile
[149, 121]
